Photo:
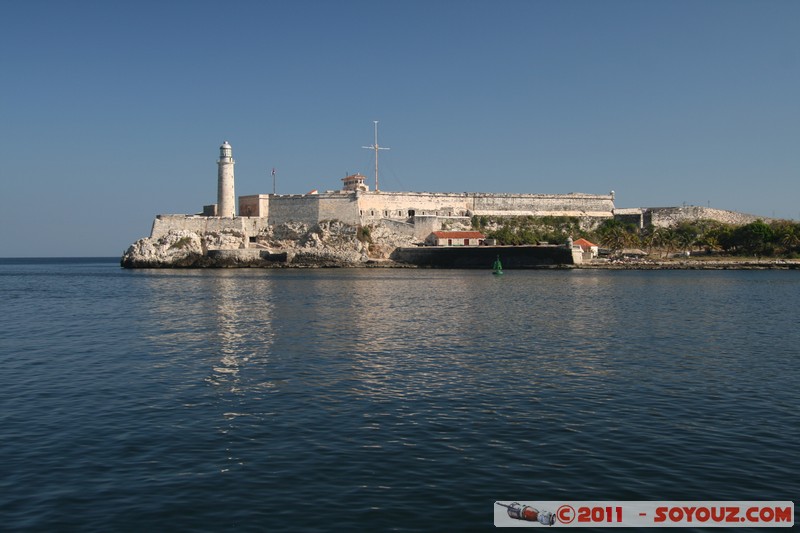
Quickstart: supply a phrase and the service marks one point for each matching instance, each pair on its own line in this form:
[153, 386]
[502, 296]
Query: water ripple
[241, 400]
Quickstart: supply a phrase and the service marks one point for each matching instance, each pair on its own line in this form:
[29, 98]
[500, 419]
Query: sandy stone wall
[248, 226]
[669, 216]
[341, 207]
[374, 205]
[294, 208]
[575, 204]
[427, 210]
[403, 206]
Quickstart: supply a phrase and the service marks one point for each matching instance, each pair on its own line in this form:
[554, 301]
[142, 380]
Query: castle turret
[226, 198]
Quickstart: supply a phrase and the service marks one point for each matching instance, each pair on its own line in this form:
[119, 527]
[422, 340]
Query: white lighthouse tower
[226, 198]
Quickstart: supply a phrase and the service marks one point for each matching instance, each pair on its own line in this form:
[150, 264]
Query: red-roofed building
[455, 238]
[590, 250]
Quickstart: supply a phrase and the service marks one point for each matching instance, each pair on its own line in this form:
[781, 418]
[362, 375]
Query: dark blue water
[302, 400]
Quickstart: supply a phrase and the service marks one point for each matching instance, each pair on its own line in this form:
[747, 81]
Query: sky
[113, 112]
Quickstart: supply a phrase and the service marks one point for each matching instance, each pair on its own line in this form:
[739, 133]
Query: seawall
[512, 257]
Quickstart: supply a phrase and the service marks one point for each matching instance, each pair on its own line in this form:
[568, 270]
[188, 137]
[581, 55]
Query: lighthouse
[226, 199]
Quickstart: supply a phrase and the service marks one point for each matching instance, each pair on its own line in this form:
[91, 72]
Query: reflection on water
[242, 312]
[394, 388]
[375, 325]
[222, 313]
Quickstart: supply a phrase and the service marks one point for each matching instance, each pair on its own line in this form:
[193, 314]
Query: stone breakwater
[696, 264]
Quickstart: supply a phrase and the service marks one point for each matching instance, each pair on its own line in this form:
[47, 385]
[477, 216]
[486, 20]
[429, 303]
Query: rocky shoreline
[336, 245]
[694, 264]
[325, 245]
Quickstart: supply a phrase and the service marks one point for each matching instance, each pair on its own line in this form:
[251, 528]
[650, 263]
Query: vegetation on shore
[774, 239]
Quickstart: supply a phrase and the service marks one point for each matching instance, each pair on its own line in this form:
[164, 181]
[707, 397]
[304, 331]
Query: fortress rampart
[669, 216]
[403, 205]
[247, 226]
[419, 213]
[415, 213]
[397, 219]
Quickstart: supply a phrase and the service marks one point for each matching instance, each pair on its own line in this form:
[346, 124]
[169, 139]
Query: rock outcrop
[176, 249]
[327, 244]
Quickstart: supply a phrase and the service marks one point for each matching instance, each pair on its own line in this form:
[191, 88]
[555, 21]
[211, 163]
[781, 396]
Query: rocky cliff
[327, 244]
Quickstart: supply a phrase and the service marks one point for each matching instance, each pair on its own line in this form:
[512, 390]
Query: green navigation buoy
[497, 267]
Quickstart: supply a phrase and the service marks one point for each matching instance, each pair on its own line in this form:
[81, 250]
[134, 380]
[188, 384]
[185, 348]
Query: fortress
[414, 214]
[354, 226]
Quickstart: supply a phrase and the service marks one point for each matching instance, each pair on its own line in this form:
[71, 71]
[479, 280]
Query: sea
[385, 399]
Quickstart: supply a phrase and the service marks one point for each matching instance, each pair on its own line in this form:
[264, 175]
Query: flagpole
[273, 181]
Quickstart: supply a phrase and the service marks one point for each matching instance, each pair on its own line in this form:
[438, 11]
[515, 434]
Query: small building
[590, 250]
[254, 205]
[455, 238]
[354, 182]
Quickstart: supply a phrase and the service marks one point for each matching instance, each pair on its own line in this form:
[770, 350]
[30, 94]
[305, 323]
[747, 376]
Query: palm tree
[709, 241]
[615, 235]
[613, 238]
[788, 237]
[649, 237]
[667, 239]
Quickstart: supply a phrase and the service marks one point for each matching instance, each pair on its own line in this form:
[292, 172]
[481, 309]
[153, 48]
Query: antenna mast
[376, 148]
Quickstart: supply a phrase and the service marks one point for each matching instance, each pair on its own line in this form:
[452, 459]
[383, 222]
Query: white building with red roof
[455, 238]
[590, 249]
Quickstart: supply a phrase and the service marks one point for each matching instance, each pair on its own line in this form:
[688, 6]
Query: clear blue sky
[113, 112]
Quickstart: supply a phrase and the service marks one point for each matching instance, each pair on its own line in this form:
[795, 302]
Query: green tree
[667, 239]
[504, 235]
[616, 235]
[755, 237]
[709, 241]
[787, 234]
[648, 237]
[726, 238]
[686, 234]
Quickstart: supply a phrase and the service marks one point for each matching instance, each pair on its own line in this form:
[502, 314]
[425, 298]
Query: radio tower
[376, 148]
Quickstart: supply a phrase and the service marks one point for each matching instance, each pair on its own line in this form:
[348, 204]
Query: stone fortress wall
[663, 217]
[416, 213]
[247, 226]
[394, 205]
